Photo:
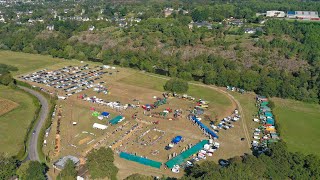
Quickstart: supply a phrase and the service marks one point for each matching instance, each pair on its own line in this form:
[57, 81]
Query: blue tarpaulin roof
[177, 139]
[268, 114]
[105, 114]
[209, 131]
[116, 120]
[270, 121]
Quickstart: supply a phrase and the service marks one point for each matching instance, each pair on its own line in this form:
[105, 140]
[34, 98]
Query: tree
[138, 177]
[176, 85]
[69, 172]
[32, 170]
[8, 167]
[6, 79]
[100, 164]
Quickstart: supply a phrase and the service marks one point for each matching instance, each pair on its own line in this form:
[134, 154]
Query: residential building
[60, 163]
[168, 12]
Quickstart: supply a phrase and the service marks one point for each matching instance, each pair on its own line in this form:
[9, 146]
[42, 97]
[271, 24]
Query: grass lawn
[14, 124]
[26, 62]
[247, 102]
[299, 125]
[219, 102]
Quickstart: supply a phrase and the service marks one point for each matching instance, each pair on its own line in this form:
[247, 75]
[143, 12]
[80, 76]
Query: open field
[299, 125]
[7, 106]
[14, 124]
[125, 85]
[27, 62]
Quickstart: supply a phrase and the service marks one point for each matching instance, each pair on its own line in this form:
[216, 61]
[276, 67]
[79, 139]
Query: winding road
[43, 114]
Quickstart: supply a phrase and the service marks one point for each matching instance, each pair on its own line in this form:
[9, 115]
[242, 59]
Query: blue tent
[177, 139]
[209, 131]
[268, 114]
[105, 114]
[270, 121]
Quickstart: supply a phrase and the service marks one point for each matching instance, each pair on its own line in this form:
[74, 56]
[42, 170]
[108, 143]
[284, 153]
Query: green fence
[140, 160]
[186, 154]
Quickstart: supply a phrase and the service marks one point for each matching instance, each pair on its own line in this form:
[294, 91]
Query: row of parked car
[72, 79]
[226, 123]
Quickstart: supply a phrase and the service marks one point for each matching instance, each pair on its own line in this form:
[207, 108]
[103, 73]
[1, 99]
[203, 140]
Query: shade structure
[141, 160]
[186, 154]
[105, 114]
[177, 139]
[95, 114]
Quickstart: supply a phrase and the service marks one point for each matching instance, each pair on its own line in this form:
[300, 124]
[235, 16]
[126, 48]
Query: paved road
[244, 124]
[44, 111]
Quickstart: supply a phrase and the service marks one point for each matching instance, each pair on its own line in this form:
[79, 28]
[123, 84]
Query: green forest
[283, 60]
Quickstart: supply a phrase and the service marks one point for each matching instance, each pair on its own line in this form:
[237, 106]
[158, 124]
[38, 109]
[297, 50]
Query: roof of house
[60, 163]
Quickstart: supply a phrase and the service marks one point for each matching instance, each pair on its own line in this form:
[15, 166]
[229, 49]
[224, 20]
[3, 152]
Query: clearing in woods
[299, 125]
[6, 106]
[14, 124]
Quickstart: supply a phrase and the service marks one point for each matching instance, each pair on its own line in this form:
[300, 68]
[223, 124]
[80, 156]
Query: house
[200, 24]
[168, 12]
[250, 30]
[2, 19]
[277, 14]
[60, 163]
[123, 23]
[236, 22]
[303, 14]
[50, 27]
[91, 28]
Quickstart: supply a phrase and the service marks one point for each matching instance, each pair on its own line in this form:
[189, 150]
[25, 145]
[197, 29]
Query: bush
[176, 85]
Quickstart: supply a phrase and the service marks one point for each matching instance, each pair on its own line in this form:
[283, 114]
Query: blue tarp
[268, 114]
[177, 139]
[270, 121]
[209, 131]
[105, 114]
[116, 120]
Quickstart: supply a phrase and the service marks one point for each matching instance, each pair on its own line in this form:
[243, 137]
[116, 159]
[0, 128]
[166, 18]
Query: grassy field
[299, 125]
[26, 62]
[218, 101]
[14, 124]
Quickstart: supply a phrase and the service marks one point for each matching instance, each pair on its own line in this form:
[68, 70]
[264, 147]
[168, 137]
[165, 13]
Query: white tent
[99, 126]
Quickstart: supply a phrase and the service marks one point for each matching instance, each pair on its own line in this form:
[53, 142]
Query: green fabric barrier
[186, 154]
[140, 160]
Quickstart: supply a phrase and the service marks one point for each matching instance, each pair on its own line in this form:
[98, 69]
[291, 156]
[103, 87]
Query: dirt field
[132, 136]
[7, 106]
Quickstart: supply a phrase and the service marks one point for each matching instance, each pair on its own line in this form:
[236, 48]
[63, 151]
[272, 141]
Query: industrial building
[303, 14]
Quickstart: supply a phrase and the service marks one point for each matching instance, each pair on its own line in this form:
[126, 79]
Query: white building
[278, 14]
[91, 28]
[302, 14]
